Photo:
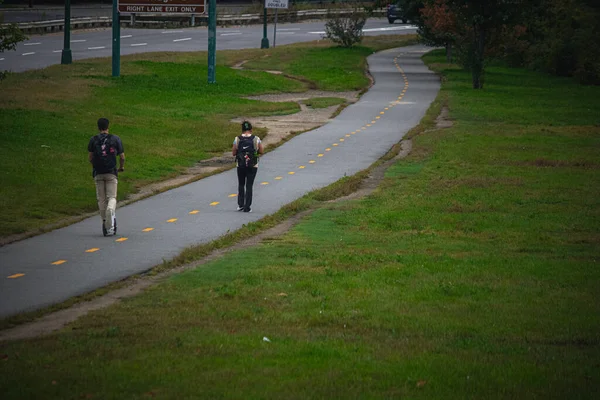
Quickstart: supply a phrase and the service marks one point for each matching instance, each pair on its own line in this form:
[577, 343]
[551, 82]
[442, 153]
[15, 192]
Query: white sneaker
[110, 232]
[240, 208]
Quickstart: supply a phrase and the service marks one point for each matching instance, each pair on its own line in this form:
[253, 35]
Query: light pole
[116, 40]
[264, 43]
[66, 56]
[212, 39]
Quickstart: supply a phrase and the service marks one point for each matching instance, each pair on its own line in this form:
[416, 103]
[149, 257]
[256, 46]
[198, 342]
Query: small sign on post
[276, 4]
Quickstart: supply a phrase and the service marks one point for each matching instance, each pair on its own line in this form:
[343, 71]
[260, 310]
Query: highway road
[58, 265]
[45, 50]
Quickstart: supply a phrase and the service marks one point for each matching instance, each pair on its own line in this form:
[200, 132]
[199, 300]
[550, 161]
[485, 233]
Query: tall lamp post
[264, 43]
[66, 56]
[212, 39]
[116, 40]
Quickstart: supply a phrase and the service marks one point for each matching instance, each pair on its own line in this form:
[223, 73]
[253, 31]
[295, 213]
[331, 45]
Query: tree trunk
[449, 52]
[478, 49]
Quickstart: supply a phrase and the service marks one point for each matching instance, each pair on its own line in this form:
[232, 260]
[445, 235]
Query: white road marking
[126, 36]
[288, 29]
[78, 41]
[391, 28]
[182, 40]
[57, 51]
[1, 59]
[96, 48]
[286, 33]
[231, 34]
[167, 32]
[27, 54]
[31, 44]
[139, 44]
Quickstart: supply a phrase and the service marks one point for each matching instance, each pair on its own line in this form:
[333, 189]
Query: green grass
[162, 107]
[471, 273]
[323, 102]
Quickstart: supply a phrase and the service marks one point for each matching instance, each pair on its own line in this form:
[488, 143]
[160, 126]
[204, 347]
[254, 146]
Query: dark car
[396, 11]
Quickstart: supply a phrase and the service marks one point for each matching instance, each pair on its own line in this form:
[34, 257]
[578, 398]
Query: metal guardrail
[177, 20]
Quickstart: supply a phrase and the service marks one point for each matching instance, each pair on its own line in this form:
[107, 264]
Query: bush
[345, 29]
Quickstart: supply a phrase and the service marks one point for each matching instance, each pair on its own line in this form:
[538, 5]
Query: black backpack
[105, 154]
[247, 155]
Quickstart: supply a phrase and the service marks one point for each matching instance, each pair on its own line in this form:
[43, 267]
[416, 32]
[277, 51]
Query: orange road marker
[214, 203]
[147, 229]
[232, 195]
[194, 212]
[121, 239]
[291, 173]
[15, 276]
[278, 178]
[59, 262]
[172, 220]
[92, 250]
[264, 183]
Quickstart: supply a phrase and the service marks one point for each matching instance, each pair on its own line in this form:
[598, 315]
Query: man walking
[246, 149]
[103, 150]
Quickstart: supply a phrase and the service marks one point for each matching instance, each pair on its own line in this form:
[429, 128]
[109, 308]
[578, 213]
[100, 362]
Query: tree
[438, 26]
[470, 25]
[10, 35]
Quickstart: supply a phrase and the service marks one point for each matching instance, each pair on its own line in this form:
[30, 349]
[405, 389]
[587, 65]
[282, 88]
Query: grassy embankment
[167, 114]
[471, 273]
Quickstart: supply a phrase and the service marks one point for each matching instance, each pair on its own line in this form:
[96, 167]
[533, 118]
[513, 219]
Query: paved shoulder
[70, 261]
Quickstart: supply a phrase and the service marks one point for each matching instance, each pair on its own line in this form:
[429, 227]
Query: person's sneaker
[110, 232]
[247, 209]
[240, 208]
[104, 232]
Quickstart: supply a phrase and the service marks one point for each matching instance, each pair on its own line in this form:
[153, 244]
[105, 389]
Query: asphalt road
[45, 50]
[53, 267]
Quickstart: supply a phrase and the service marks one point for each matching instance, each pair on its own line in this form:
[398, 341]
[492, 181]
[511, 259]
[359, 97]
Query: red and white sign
[162, 6]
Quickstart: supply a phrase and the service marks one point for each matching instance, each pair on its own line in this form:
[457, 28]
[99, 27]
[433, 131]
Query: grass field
[471, 273]
[163, 109]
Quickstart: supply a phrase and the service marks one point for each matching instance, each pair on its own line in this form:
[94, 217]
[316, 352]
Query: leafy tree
[10, 35]
[438, 26]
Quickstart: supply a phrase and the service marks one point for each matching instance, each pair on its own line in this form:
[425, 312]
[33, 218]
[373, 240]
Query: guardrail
[177, 20]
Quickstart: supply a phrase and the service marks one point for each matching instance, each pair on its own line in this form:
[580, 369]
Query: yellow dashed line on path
[172, 220]
[301, 167]
[311, 161]
[347, 135]
[15, 276]
[370, 124]
[264, 183]
[341, 140]
[278, 178]
[121, 239]
[92, 250]
[381, 113]
[387, 108]
[335, 144]
[59, 262]
[319, 155]
[194, 212]
[291, 173]
[147, 229]
[232, 195]
[377, 117]
[214, 203]
[328, 149]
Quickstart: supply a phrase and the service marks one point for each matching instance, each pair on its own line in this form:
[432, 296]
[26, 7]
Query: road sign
[162, 6]
[276, 3]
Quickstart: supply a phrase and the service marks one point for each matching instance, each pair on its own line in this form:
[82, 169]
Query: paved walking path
[55, 266]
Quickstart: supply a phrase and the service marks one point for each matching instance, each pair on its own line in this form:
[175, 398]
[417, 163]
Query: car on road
[396, 11]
